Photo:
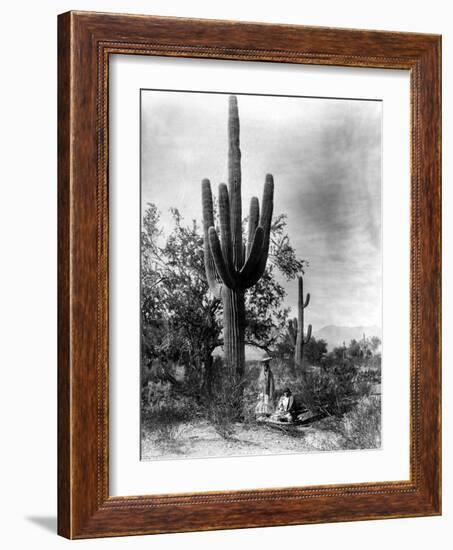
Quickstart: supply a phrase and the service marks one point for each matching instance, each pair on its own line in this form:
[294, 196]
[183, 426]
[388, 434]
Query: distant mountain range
[335, 336]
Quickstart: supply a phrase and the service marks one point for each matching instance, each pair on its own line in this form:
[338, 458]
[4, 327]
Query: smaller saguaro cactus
[344, 351]
[296, 326]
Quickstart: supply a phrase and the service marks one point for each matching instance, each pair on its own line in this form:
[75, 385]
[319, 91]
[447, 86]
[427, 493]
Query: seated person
[286, 407]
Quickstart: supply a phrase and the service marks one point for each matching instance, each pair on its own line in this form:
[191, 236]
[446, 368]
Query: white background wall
[28, 217]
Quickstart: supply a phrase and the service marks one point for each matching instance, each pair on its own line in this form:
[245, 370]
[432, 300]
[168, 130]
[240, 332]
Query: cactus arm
[253, 259]
[268, 202]
[307, 339]
[254, 217]
[221, 268]
[225, 228]
[266, 213]
[307, 300]
[208, 221]
[265, 223]
[206, 202]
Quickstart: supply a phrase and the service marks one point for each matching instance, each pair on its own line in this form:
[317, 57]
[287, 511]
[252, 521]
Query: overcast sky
[325, 155]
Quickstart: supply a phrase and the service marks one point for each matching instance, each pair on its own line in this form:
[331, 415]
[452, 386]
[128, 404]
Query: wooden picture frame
[85, 42]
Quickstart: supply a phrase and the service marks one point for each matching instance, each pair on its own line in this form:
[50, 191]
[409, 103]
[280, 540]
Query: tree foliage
[340, 382]
[181, 319]
[315, 350]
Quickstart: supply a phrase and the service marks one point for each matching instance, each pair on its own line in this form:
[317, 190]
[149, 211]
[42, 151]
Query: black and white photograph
[260, 274]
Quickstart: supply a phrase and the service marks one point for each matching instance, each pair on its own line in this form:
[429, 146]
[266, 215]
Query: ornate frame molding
[86, 40]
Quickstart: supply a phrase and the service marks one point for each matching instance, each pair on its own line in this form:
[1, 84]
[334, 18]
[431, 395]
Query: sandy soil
[199, 439]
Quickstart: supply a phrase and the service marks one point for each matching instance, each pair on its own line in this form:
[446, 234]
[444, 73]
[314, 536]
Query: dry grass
[359, 428]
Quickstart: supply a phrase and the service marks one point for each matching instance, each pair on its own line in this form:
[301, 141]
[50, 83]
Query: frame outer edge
[434, 139]
[427, 162]
[438, 168]
[81, 510]
[64, 527]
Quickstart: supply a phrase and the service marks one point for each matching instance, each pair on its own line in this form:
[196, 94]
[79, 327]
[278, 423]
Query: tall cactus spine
[231, 265]
[296, 326]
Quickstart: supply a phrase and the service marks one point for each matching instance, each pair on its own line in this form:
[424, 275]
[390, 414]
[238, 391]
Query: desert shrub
[363, 388]
[165, 424]
[224, 406]
[361, 426]
[249, 400]
[165, 412]
[371, 375]
[158, 393]
[332, 390]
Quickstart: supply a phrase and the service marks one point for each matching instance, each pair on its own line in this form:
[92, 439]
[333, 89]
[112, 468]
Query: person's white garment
[284, 403]
[263, 406]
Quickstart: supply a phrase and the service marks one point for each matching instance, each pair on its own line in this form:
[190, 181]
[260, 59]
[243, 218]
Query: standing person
[265, 405]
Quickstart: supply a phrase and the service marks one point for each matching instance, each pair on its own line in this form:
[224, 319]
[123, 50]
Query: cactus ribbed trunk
[231, 267]
[296, 326]
[299, 355]
[234, 330]
[233, 299]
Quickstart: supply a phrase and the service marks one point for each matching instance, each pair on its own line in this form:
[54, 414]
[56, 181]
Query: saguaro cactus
[231, 266]
[296, 326]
